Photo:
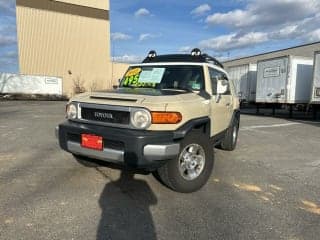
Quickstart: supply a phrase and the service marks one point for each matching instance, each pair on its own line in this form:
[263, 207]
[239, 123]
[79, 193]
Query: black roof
[203, 58]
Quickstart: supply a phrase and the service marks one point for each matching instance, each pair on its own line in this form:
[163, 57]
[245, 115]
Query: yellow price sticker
[133, 72]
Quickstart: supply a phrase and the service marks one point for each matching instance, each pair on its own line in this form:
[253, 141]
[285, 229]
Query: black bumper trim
[133, 141]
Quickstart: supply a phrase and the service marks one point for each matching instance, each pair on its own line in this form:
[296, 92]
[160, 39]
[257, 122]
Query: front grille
[106, 116]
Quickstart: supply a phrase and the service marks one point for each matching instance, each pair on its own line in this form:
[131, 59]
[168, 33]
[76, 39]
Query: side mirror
[222, 87]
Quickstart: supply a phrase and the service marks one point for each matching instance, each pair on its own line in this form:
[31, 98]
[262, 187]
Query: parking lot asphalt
[268, 188]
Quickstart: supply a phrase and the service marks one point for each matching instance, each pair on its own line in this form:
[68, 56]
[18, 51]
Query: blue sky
[225, 29]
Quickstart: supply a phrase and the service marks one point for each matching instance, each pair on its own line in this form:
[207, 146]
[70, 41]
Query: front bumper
[134, 148]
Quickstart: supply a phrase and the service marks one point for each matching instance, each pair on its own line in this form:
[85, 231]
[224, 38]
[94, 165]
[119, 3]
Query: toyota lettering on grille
[103, 115]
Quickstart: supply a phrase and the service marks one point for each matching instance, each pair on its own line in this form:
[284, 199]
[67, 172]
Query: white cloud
[233, 41]
[127, 58]
[261, 13]
[283, 33]
[118, 36]
[261, 21]
[313, 36]
[236, 18]
[142, 12]
[201, 10]
[147, 36]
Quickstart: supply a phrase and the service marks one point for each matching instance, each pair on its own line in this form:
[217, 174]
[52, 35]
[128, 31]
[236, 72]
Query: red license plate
[92, 142]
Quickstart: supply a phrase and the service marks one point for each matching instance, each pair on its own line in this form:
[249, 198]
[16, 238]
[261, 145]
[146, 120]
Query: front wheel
[192, 167]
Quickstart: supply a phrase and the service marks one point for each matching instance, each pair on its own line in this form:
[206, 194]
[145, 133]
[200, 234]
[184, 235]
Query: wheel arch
[235, 116]
[196, 126]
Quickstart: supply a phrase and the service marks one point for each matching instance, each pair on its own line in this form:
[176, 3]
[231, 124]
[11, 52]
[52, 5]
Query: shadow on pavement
[125, 205]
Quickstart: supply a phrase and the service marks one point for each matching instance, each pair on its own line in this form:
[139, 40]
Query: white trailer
[244, 79]
[27, 84]
[315, 89]
[315, 92]
[285, 80]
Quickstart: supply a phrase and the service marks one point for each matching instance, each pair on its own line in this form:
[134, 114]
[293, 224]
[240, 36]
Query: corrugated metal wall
[66, 40]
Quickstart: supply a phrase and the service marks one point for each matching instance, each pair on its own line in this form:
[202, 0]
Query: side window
[216, 75]
[214, 79]
[224, 77]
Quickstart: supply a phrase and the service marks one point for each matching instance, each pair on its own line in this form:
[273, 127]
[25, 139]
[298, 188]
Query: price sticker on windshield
[133, 72]
[152, 75]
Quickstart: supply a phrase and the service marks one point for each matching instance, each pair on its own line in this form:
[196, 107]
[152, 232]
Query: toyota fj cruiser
[166, 116]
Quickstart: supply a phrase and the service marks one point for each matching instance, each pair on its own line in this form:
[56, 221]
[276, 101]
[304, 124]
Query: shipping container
[244, 79]
[27, 84]
[285, 80]
[315, 93]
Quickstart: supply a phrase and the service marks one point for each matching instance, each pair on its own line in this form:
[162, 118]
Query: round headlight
[141, 119]
[72, 111]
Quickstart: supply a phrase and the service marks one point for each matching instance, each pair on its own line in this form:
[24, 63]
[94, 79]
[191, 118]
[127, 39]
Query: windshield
[171, 77]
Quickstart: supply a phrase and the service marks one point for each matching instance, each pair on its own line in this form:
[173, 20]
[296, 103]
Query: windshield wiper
[177, 89]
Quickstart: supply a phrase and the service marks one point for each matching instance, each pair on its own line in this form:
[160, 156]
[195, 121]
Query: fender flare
[235, 115]
[202, 124]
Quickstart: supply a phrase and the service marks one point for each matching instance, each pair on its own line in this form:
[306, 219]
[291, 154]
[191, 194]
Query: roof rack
[195, 56]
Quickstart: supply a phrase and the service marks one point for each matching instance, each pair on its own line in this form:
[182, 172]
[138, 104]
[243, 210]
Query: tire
[172, 174]
[229, 142]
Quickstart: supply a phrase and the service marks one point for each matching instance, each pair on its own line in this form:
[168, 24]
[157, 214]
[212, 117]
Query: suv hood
[154, 99]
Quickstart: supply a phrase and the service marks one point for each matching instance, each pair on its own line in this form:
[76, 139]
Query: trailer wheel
[191, 169]
[229, 142]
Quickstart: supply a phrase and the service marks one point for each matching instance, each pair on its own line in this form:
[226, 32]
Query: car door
[221, 104]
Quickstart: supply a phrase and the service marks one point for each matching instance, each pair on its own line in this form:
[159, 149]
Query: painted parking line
[269, 126]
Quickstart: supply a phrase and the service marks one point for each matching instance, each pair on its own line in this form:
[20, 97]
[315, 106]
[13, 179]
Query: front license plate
[92, 142]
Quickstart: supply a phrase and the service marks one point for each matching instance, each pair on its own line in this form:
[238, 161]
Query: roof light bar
[195, 56]
[196, 52]
[152, 54]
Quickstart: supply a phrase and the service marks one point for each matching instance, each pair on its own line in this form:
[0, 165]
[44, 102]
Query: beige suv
[166, 116]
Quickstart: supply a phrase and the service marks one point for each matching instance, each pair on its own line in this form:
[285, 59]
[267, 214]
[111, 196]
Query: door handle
[228, 104]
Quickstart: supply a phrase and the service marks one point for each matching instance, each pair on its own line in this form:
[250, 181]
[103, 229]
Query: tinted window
[164, 77]
[216, 75]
